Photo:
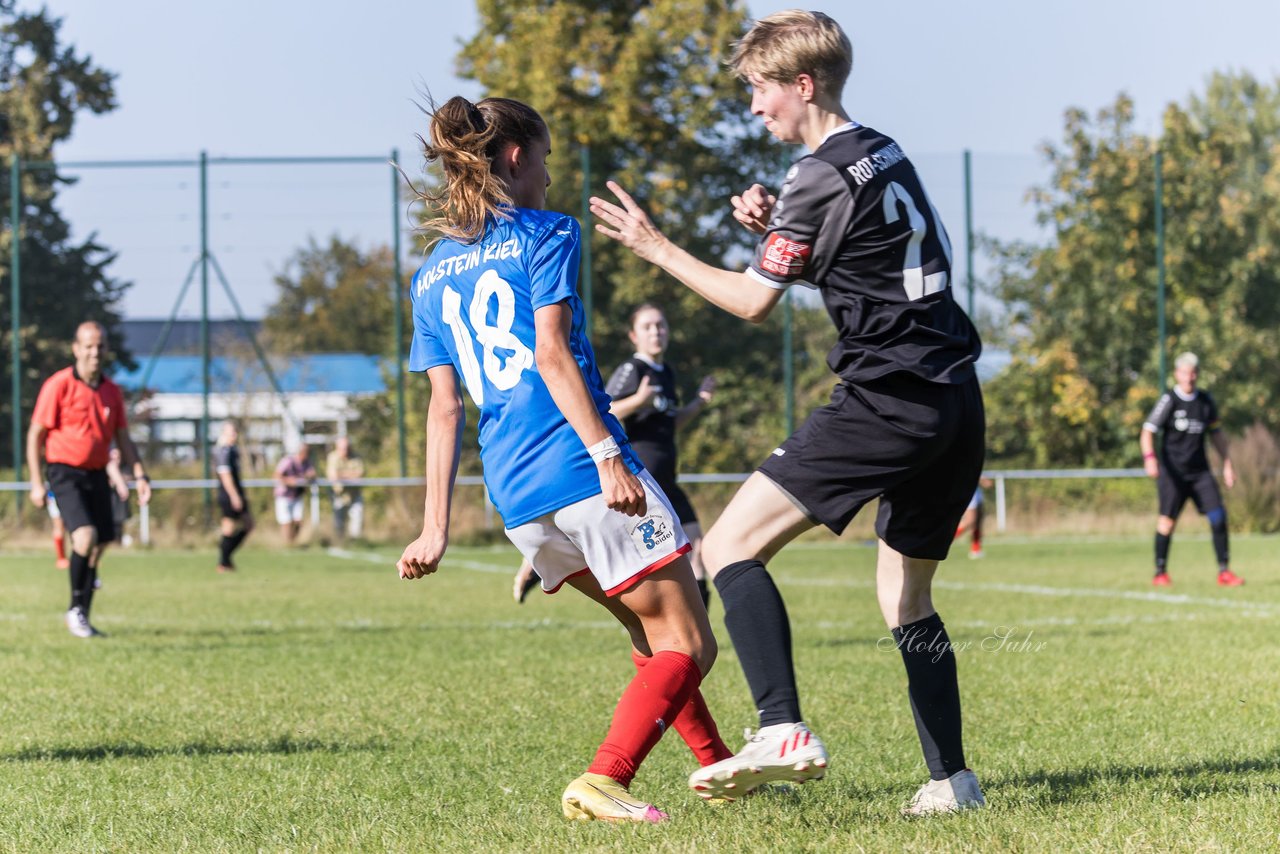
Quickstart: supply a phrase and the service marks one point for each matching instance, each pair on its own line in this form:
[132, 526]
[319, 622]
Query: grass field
[315, 702]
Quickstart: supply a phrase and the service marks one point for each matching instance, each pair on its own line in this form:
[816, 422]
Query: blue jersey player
[496, 306]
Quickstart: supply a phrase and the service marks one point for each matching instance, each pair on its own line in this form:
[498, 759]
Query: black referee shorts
[1174, 489]
[84, 498]
[915, 445]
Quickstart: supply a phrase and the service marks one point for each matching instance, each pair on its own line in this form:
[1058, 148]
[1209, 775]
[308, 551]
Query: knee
[714, 553]
[704, 651]
[1218, 518]
[84, 540]
[1165, 525]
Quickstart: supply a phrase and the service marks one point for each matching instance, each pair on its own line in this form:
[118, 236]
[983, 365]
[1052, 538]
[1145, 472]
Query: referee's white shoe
[779, 753]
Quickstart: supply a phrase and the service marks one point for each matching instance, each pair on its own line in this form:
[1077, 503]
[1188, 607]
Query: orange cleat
[1227, 578]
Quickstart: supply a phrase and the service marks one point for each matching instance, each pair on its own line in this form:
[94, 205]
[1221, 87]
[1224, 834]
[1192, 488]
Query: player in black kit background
[1186, 415]
[905, 423]
[647, 401]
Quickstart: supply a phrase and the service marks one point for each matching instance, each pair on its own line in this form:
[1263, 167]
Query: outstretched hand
[628, 224]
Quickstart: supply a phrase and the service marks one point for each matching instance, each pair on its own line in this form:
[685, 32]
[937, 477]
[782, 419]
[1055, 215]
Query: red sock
[695, 725]
[959, 531]
[59, 548]
[976, 545]
[653, 698]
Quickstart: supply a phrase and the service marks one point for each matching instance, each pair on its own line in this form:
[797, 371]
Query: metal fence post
[968, 225]
[1000, 504]
[1160, 328]
[398, 297]
[15, 305]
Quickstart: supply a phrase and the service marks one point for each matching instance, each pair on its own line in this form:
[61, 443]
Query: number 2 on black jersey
[916, 284]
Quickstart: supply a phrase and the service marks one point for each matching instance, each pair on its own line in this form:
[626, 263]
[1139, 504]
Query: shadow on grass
[283, 745]
[1190, 779]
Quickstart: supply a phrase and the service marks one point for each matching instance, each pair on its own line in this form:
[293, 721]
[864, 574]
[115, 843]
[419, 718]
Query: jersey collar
[650, 362]
[1185, 397]
[847, 126]
[76, 374]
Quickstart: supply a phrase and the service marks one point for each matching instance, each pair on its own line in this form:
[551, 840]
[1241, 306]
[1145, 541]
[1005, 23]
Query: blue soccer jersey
[473, 308]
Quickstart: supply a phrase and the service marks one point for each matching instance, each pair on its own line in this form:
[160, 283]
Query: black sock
[228, 544]
[1162, 552]
[1220, 546]
[704, 591]
[81, 575]
[757, 622]
[935, 693]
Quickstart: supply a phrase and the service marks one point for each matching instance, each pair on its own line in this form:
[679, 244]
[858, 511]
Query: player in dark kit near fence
[1185, 415]
[78, 414]
[905, 423]
[647, 400]
[237, 517]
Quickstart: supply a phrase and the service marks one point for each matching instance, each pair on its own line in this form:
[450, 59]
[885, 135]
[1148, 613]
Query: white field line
[386, 560]
[1251, 607]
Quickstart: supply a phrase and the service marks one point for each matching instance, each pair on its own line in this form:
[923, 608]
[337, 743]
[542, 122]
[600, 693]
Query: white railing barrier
[999, 477]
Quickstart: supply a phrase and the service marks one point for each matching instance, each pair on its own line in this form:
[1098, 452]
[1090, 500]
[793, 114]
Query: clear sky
[286, 77]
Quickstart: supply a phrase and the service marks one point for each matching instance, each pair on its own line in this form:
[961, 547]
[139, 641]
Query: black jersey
[853, 219]
[1184, 423]
[651, 429]
[227, 458]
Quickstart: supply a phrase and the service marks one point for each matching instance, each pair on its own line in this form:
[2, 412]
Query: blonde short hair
[1187, 360]
[786, 44]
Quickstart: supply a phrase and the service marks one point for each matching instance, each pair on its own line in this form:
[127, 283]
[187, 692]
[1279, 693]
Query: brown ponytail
[466, 138]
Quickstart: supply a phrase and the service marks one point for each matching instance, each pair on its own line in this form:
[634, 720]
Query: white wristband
[604, 449]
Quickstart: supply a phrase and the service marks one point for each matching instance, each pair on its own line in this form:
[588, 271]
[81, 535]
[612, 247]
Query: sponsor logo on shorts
[785, 257]
[652, 532]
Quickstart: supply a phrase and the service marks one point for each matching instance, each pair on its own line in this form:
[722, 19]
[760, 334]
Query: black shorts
[660, 461]
[84, 499]
[224, 504]
[917, 446]
[1174, 489]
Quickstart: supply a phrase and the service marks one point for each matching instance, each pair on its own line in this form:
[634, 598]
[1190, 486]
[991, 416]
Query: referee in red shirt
[78, 414]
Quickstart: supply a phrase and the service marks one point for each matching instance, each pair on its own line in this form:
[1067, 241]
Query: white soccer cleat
[78, 624]
[958, 792]
[781, 753]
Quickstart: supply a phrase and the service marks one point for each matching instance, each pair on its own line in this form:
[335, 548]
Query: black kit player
[647, 400]
[237, 517]
[1185, 415]
[905, 423]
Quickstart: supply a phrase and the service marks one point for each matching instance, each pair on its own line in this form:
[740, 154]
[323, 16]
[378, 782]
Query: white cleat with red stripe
[787, 753]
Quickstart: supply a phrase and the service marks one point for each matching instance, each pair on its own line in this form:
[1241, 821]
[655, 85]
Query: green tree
[1083, 308]
[334, 298]
[44, 85]
[643, 85]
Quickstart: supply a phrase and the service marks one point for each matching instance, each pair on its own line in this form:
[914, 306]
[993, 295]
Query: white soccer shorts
[288, 509]
[587, 536]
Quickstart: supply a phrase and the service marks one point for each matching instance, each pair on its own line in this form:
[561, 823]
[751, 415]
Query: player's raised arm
[736, 293]
[445, 420]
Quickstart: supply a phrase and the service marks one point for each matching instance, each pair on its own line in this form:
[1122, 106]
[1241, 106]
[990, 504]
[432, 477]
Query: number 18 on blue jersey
[473, 308]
